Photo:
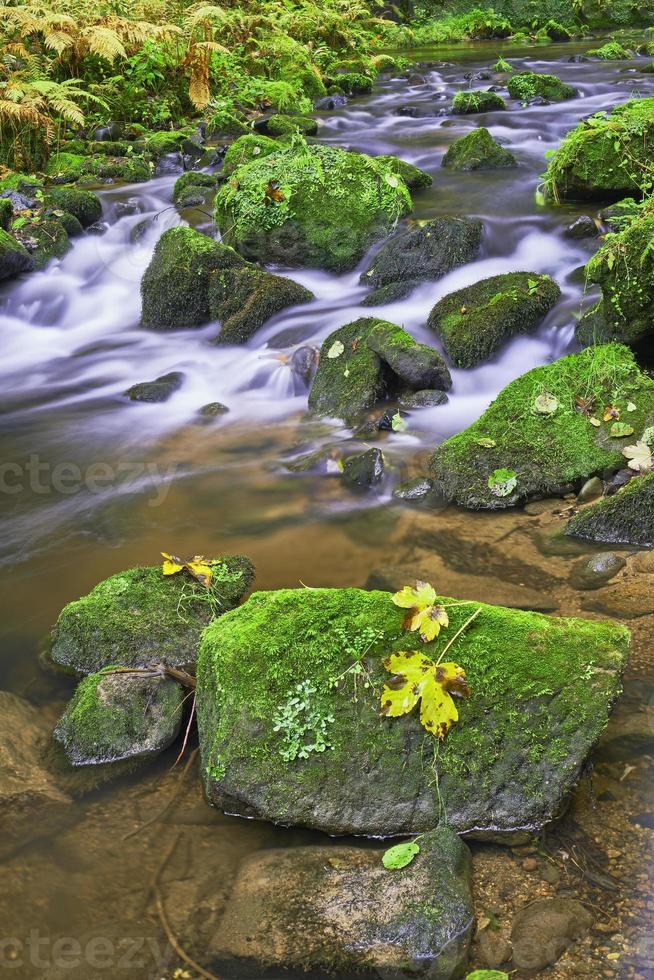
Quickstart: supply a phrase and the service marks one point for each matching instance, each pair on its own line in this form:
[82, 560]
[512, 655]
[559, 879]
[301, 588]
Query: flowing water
[92, 483]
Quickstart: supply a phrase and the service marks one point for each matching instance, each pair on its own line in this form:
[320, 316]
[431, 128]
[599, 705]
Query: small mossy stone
[310, 205]
[590, 162]
[281, 125]
[419, 918]
[413, 490]
[425, 252]
[390, 293]
[611, 51]
[45, 240]
[426, 398]
[353, 83]
[475, 321]
[528, 85]
[625, 518]
[161, 143]
[72, 225]
[14, 257]
[245, 297]
[6, 212]
[115, 716]
[248, 149]
[594, 572]
[84, 205]
[413, 177]
[468, 103]
[417, 365]
[365, 469]
[557, 31]
[140, 617]
[550, 454]
[478, 150]
[213, 410]
[488, 975]
[541, 691]
[193, 179]
[159, 390]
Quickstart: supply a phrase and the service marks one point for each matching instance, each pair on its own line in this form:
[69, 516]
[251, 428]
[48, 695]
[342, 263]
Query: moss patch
[281, 125]
[14, 257]
[625, 518]
[528, 85]
[611, 51]
[541, 691]
[473, 322]
[83, 205]
[478, 150]
[550, 454]
[466, 103]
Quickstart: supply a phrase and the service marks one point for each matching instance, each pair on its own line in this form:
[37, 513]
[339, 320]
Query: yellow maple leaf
[424, 615]
[417, 678]
[197, 567]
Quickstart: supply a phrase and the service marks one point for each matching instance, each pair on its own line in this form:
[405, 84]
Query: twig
[187, 732]
[172, 939]
[458, 634]
[169, 803]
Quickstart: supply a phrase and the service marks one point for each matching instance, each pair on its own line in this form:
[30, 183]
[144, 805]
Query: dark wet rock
[466, 103]
[213, 409]
[325, 462]
[14, 257]
[475, 321]
[193, 279]
[617, 481]
[44, 240]
[426, 252]
[425, 398]
[330, 102]
[131, 206]
[314, 907]
[410, 111]
[159, 390]
[582, 227]
[140, 617]
[328, 205]
[477, 76]
[417, 489]
[364, 469]
[84, 205]
[547, 455]
[115, 716]
[478, 150]
[493, 950]
[593, 573]
[497, 780]
[529, 85]
[578, 59]
[543, 931]
[367, 360]
[303, 362]
[625, 518]
[169, 163]
[97, 228]
[31, 803]
[110, 131]
[627, 600]
[390, 293]
[71, 224]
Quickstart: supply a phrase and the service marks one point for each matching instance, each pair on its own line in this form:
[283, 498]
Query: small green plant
[502, 482]
[302, 723]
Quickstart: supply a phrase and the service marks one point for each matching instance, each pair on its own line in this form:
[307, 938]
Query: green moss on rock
[310, 205]
[192, 179]
[246, 297]
[478, 150]
[115, 716]
[141, 617]
[84, 205]
[282, 125]
[6, 212]
[474, 322]
[352, 83]
[611, 51]
[248, 149]
[413, 177]
[541, 691]
[605, 156]
[625, 518]
[45, 239]
[550, 454]
[14, 257]
[528, 85]
[467, 103]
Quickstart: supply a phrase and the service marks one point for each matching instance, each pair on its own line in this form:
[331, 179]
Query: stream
[92, 483]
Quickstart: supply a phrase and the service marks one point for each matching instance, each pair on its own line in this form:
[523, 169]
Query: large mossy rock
[140, 617]
[290, 728]
[339, 909]
[478, 150]
[468, 103]
[624, 268]
[368, 360]
[193, 279]
[528, 85]
[625, 518]
[83, 205]
[114, 716]
[549, 446]
[605, 156]
[425, 252]
[14, 257]
[474, 322]
[45, 240]
[309, 205]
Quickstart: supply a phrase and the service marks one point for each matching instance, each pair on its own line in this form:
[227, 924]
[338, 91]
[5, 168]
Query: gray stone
[416, 489]
[365, 469]
[542, 931]
[593, 573]
[159, 390]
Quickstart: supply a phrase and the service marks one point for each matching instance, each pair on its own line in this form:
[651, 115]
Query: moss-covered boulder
[423, 252]
[248, 149]
[83, 205]
[351, 83]
[44, 238]
[310, 206]
[605, 156]
[141, 617]
[624, 268]
[528, 85]
[14, 257]
[413, 176]
[115, 715]
[65, 168]
[282, 125]
[368, 360]
[611, 51]
[478, 150]
[159, 390]
[245, 297]
[193, 180]
[468, 103]
[288, 702]
[474, 322]
[535, 440]
[625, 518]
[339, 910]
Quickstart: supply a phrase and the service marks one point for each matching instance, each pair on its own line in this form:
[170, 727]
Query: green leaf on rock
[502, 482]
[336, 349]
[399, 424]
[546, 404]
[400, 855]
[648, 436]
[486, 443]
[619, 430]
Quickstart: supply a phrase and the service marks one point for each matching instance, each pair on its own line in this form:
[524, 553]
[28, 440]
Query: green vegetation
[612, 51]
[625, 518]
[527, 85]
[478, 150]
[466, 103]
